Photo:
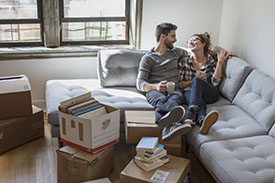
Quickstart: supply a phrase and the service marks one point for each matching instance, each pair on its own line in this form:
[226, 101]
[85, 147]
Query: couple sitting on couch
[196, 76]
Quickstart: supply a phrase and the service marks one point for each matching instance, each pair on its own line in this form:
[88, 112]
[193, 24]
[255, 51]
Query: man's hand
[161, 86]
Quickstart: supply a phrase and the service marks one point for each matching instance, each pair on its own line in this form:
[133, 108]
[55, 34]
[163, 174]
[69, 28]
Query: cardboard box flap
[140, 117]
[69, 150]
[90, 158]
[93, 158]
[36, 109]
[12, 84]
[103, 180]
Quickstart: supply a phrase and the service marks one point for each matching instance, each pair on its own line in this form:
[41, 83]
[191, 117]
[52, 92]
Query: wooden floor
[35, 162]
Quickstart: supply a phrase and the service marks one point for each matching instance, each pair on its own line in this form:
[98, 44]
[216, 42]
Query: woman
[200, 75]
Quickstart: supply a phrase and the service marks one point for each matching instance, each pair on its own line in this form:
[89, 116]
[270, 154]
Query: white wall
[40, 70]
[248, 29]
[191, 16]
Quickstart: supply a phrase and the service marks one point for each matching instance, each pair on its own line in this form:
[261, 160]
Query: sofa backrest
[257, 98]
[235, 71]
[118, 67]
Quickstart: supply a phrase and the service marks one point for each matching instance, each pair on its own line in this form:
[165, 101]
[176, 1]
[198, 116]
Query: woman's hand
[223, 56]
[202, 75]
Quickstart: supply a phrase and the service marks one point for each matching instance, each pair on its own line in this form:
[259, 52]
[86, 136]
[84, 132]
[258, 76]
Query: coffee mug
[198, 73]
[170, 86]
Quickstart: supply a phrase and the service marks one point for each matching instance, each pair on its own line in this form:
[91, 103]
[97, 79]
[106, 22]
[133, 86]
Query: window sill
[63, 51]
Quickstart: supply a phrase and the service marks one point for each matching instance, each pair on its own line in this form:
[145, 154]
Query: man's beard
[169, 45]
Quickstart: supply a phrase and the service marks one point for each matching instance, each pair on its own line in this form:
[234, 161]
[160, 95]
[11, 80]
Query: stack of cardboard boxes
[140, 125]
[89, 150]
[20, 121]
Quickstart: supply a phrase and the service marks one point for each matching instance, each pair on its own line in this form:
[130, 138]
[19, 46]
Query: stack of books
[87, 108]
[150, 154]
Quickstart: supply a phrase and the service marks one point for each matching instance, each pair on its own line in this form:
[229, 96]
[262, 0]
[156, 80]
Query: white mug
[170, 86]
[198, 73]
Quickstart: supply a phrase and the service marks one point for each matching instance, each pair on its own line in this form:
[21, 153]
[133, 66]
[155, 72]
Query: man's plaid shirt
[187, 73]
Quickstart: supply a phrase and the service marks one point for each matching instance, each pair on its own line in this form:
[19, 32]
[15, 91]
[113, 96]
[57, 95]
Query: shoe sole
[185, 128]
[175, 115]
[209, 120]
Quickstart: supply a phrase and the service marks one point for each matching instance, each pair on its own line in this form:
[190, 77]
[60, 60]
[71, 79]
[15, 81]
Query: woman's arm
[222, 57]
[185, 84]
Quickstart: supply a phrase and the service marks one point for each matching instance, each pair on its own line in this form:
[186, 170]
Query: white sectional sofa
[240, 147]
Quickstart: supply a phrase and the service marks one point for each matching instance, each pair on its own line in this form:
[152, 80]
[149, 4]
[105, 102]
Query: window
[69, 22]
[94, 21]
[20, 22]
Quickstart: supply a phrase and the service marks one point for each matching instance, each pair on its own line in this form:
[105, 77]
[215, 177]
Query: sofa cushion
[241, 160]
[257, 98]
[118, 67]
[233, 123]
[235, 71]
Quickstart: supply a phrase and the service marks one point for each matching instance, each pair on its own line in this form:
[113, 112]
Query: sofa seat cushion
[119, 97]
[243, 160]
[232, 123]
[257, 98]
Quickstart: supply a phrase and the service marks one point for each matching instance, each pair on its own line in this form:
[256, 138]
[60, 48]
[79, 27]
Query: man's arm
[143, 74]
[142, 82]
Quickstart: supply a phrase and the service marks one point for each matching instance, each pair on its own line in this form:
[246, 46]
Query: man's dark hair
[164, 28]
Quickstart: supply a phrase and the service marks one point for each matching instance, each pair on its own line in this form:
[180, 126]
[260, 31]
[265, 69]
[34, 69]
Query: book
[152, 159]
[94, 113]
[150, 166]
[86, 109]
[148, 154]
[81, 104]
[147, 144]
[65, 104]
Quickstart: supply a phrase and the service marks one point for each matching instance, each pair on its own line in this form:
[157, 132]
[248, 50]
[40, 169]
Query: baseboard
[40, 103]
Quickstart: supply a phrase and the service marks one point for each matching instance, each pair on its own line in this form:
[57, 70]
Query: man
[157, 67]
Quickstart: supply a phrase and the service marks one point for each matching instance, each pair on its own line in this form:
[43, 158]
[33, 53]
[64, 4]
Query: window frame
[39, 20]
[126, 18]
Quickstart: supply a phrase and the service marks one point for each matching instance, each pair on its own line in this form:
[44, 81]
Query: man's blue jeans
[200, 93]
[164, 102]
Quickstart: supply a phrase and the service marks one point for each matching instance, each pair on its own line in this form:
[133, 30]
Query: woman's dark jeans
[200, 93]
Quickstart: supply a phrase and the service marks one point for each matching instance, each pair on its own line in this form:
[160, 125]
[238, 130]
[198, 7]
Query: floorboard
[35, 162]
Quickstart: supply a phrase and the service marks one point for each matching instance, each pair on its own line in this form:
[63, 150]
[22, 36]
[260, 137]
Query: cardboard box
[174, 149]
[104, 180]
[15, 97]
[90, 135]
[177, 167]
[17, 131]
[75, 165]
[140, 124]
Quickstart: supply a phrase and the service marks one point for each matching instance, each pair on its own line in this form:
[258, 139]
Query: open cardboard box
[90, 135]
